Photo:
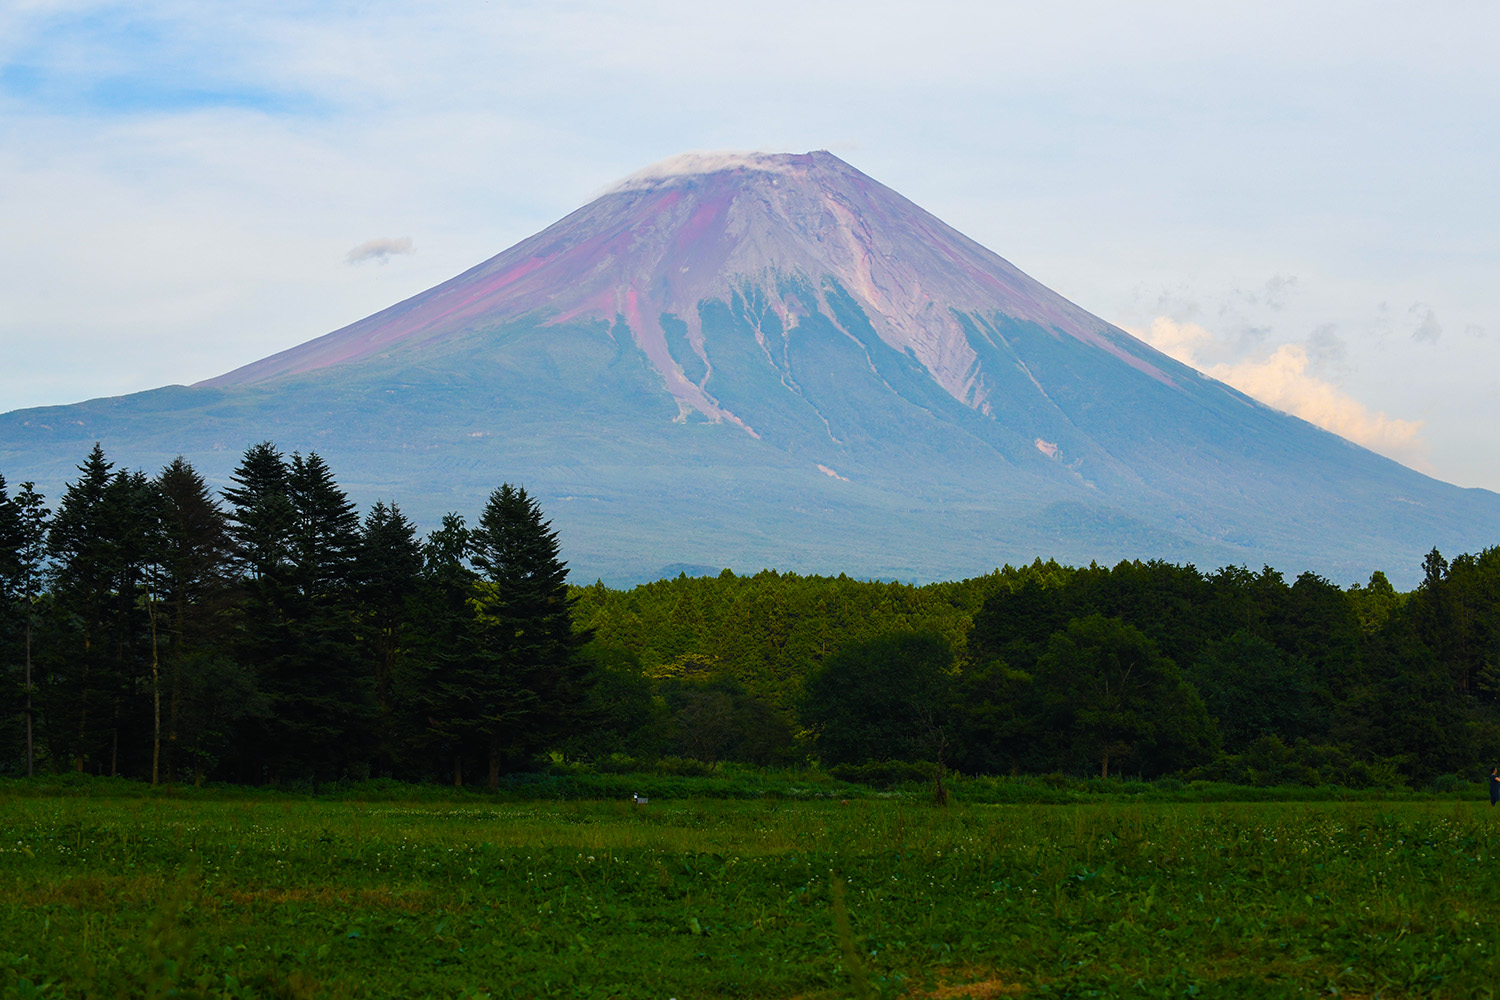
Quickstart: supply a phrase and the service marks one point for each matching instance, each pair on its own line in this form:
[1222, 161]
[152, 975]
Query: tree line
[153, 629]
[156, 631]
[1144, 668]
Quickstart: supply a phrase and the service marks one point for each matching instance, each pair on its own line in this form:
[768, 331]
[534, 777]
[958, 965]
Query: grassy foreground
[195, 896]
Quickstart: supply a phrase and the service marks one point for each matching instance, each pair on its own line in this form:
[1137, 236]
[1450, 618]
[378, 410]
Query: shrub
[1268, 762]
[886, 773]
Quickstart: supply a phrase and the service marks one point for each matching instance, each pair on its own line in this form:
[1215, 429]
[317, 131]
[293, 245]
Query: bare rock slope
[774, 360]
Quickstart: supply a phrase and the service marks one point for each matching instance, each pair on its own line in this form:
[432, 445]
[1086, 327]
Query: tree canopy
[270, 632]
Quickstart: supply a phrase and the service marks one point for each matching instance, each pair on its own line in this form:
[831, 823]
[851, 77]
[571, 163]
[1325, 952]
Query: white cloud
[1187, 342]
[382, 248]
[1282, 380]
[693, 164]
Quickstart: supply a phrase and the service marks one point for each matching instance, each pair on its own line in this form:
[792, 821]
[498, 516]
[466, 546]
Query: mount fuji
[775, 361]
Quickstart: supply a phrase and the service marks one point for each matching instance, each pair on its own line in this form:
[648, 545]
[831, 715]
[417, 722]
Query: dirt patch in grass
[379, 899]
[94, 892]
[980, 990]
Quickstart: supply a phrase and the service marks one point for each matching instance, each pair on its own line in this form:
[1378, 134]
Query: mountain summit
[757, 360]
[700, 228]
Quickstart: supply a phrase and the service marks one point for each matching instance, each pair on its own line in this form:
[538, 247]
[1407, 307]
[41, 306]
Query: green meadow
[202, 894]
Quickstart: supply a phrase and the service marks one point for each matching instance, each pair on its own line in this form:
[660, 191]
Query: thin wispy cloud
[1428, 328]
[380, 249]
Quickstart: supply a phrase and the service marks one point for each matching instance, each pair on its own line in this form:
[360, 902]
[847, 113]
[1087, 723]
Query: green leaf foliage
[271, 634]
[884, 699]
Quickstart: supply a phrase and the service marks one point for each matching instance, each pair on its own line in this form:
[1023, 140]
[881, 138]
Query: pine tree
[194, 592]
[261, 515]
[530, 684]
[102, 542]
[388, 567]
[221, 628]
[260, 520]
[325, 530]
[82, 573]
[135, 520]
[326, 696]
[10, 542]
[11, 615]
[433, 681]
[296, 536]
[30, 564]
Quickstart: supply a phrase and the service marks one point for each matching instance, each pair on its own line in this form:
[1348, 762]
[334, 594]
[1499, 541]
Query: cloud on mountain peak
[694, 164]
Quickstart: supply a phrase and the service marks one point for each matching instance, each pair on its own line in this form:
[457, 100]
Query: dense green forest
[151, 629]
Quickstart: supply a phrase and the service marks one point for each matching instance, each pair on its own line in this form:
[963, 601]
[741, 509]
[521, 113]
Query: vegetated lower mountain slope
[776, 361]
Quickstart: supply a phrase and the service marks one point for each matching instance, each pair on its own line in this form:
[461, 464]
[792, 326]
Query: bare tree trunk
[83, 709]
[387, 668]
[940, 795]
[155, 696]
[176, 697]
[172, 770]
[458, 770]
[114, 734]
[495, 759]
[1104, 765]
[30, 752]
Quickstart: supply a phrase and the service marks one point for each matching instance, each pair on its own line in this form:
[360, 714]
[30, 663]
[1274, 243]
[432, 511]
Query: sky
[1297, 198]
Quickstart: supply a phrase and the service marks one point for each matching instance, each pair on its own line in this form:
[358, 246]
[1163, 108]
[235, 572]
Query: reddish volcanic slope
[772, 360]
[696, 228]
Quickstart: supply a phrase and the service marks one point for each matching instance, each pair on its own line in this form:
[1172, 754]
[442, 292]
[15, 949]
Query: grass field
[255, 896]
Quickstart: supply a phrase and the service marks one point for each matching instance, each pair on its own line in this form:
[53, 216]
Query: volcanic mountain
[775, 361]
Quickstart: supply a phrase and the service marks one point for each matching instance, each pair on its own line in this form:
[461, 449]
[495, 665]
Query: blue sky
[1297, 198]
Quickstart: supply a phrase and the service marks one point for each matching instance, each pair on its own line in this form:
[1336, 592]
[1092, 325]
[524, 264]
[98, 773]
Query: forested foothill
[268, 634]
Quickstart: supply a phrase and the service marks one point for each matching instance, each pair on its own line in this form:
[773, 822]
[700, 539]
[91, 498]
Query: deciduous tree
[890, 698]
[1117, 699]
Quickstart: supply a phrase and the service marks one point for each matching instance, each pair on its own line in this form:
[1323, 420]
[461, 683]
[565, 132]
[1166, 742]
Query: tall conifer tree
[260, 524]
[194, 591]
[296, 534]
[531, 683]
[135, 522]
[388, 568]
[325, 530]
[260, 514]
[11, 683]
[437, 678]
[83, 554]
[10, 541]
[327, 691]
[33, 518]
